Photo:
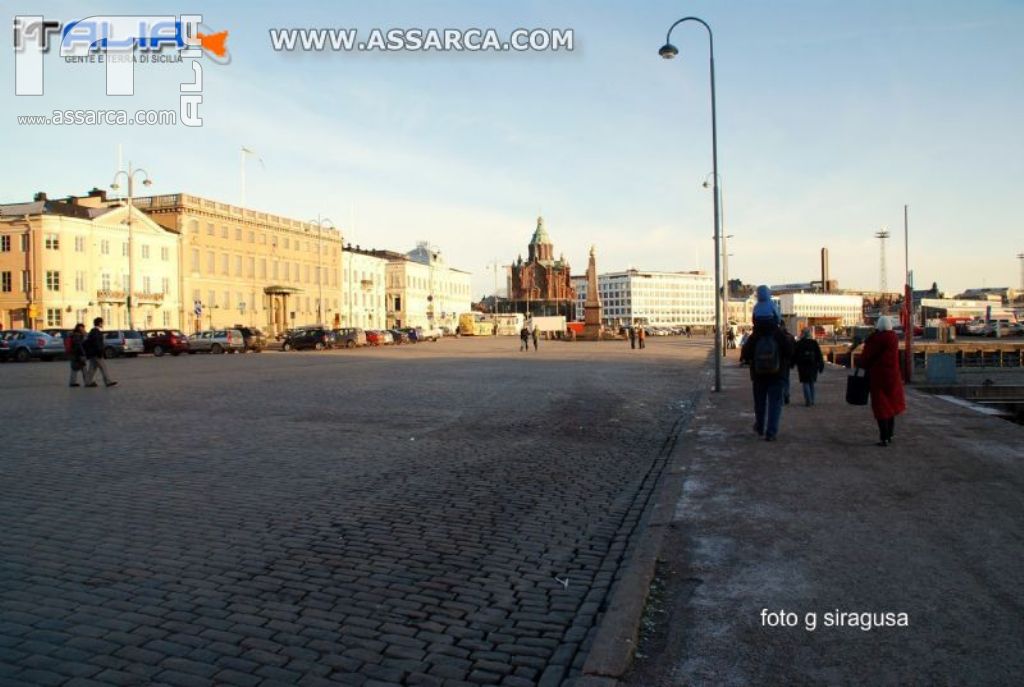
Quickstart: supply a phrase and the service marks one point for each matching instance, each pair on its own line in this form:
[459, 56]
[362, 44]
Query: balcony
[108, 296]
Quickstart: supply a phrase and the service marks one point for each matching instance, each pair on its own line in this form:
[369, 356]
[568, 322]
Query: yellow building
[240, 266]
[67, 261]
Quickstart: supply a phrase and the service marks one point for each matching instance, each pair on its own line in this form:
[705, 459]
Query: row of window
[52, 242]
[53, 282]
[287, 271]
[113, 319]
[251, 236]
[423, 284]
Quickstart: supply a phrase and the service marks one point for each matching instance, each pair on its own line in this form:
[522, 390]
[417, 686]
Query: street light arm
[711, 36]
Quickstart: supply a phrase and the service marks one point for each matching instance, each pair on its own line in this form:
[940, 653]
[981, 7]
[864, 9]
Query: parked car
[400, 336]
[349, 337]
[316, 338]
[374, 337]
[22, 345]
[217, 341]
[255, 340]
[162, 341]
[122, 342]
[430, 334]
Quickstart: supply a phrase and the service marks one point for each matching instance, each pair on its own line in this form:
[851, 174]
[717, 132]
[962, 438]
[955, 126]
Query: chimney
[824, 270]
[39, 196]
[98, 193]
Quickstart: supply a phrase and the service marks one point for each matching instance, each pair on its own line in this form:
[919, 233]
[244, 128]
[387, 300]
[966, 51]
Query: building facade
[364, 279]
[541, 284]
[68, 261]
[652, 298]
[241, 266]
[422, 290]
[801, 309]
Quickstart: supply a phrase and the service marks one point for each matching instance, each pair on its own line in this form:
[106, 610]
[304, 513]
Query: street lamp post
[725, 260]
[668, 51]
[320, 222]
[130, 177]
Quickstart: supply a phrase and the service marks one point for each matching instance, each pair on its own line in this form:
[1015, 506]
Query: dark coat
[808, 360]
[77, 355]
[767, 327]
[881, 359]
[94, 343]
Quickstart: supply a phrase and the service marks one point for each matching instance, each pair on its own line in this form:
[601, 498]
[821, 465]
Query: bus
[476, 324]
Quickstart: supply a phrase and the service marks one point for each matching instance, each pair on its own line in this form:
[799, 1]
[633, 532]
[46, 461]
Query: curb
[611, 653]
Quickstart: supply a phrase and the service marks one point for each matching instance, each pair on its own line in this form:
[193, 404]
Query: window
[52, 280]
[195, 259]
[238, 233]
[146, 284]
[165, 286]
[52, 242]
[209, 229]
[5, 282]
[105, 247]
[24, 243]
[238, 265]
[223, 232]
[125, 283]
[275, 270]
[287, 242]
[211, 262]
[5, 244]
[263, 268]
[224, 263]
[124, 249]
[165, 253]
[26, 278]
[263, 239]
[167, 318]
[227, 299]
[252, 236]
[145, 252]
[54, 317]
[105, 282]
[251, 268]
[79, 281]
[212, 300]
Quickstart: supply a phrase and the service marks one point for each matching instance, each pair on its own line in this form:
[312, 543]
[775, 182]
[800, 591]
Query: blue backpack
[767, 359]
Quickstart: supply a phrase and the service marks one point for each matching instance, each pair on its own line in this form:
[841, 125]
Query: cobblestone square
[438, 514]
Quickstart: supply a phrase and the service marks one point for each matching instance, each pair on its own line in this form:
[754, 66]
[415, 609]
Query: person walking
[536, 334]
[809, 363]
[632, 337]
[641, 337]
[881, 360]
[524, 339]
[730, 338]
[768, 352]
[76, 354]
[94, 355]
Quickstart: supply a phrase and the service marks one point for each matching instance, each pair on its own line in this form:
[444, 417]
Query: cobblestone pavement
[438, 514]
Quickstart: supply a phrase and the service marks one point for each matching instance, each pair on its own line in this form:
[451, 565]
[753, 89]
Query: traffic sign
[198, 308]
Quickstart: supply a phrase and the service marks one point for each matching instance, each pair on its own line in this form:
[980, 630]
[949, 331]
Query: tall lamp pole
[908, 303]
[668, 51]
[130, 177]
[319, 222]
[725, 261]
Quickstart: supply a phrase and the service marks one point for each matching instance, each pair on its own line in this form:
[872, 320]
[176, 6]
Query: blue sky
[832, 115]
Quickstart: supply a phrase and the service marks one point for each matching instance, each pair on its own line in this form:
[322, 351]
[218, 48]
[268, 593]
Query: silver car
[122, 342]
[217, 341]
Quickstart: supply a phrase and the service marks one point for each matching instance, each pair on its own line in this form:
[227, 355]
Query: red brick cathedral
[542, 285]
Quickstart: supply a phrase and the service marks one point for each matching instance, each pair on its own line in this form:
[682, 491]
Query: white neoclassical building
[423, 290]
[652, 298]
[363, 288]
[70, 260]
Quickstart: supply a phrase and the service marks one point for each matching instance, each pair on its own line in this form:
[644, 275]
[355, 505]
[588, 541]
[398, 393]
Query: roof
[540, 235]
[55, 207]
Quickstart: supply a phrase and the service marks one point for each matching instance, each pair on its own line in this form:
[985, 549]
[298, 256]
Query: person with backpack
[74, 347]
[809, 363]
[768, 351]
[524, 339]
[881, 360]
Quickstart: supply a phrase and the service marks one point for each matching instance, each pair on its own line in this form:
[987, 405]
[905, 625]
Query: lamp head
[668, 51]
[706, 184]
[115, 186]
[147, 182]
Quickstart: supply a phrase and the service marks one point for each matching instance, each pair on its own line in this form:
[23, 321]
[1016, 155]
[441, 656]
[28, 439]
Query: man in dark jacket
[76, 354]
[94, 354]
[809, 363]
[768, 351]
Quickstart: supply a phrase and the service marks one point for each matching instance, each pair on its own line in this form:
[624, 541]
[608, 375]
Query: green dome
[541, 234]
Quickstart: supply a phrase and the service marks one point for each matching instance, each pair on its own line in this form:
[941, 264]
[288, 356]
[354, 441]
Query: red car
[161, 341]
[374, 337]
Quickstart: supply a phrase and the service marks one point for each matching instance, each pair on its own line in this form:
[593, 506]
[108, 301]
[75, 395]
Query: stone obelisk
[592, 327]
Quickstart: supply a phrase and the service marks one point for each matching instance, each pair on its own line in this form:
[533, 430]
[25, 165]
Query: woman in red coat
[881, 360]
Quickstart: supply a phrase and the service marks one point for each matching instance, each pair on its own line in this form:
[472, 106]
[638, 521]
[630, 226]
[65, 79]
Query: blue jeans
[768, 405]
[809, 392]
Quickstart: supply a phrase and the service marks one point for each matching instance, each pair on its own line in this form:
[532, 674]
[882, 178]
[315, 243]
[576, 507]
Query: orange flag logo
[214, 42]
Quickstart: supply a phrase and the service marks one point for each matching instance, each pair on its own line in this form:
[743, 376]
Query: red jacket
[881, 359]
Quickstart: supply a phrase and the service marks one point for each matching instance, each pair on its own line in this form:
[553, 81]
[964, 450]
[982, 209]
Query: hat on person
[884, 324]
[808, 333]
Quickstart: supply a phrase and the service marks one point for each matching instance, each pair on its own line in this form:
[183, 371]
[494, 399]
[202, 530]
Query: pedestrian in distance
[524, 339]
[809, 363]
[94, 355]
[730, 338]
[768, 351]
[881, 360]
[74, 346]
[641, 338]
[536, 335]
[632, 337]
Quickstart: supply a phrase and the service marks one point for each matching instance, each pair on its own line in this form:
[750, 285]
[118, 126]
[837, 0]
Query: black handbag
[857, 390]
